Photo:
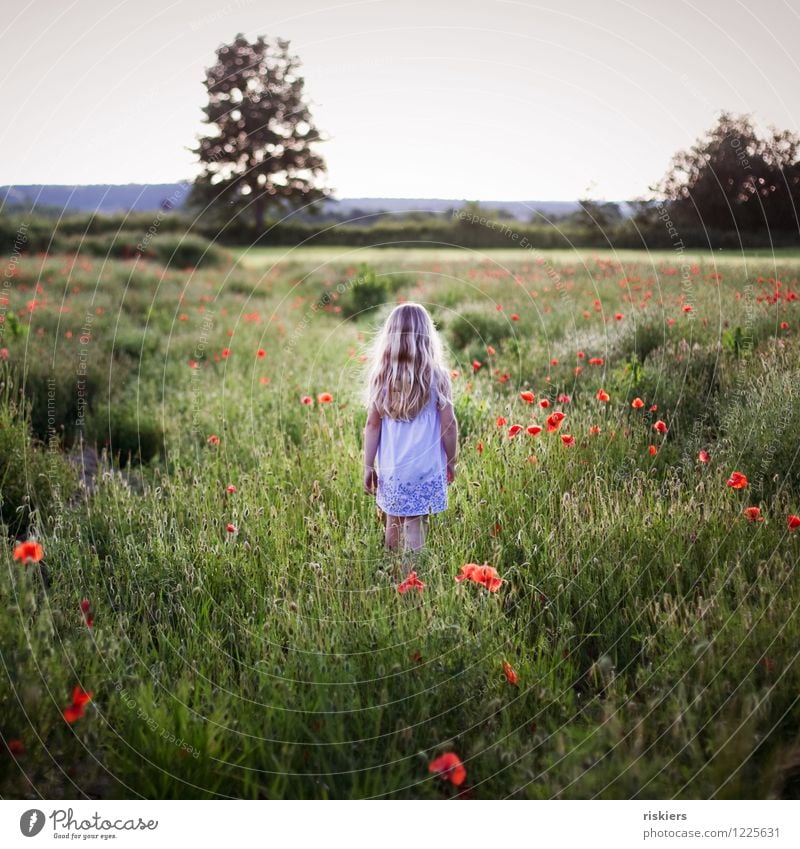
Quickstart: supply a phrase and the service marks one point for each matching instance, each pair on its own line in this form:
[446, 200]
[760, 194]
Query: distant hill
[142, 197]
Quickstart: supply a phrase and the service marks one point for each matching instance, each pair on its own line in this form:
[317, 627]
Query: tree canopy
[261, 153]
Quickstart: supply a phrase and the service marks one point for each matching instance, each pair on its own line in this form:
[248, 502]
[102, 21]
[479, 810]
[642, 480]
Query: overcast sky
[478, 99]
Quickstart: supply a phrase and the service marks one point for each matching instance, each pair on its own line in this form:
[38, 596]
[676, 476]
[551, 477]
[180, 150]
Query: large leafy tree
[260, 154]
[732, 178]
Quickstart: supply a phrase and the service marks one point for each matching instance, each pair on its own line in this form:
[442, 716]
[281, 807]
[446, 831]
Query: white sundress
[412, 463]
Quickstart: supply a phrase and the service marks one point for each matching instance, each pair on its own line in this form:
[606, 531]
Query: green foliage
[367, 290]
[33, 476]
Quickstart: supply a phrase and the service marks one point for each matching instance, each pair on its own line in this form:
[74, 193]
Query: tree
[732, 178]
[262, 151]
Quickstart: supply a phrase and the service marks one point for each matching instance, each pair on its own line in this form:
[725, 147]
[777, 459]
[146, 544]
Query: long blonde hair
[406, 357]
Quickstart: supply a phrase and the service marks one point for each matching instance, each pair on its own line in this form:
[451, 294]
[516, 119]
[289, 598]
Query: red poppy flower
[501, 421]
[490, 350]
[660, 426]
[479, 448]
[307, 400]
[533, 430]
[75, 710]
[703, 457]
[594, 430]
[553, 362]
[602, 395]
[563, 399]
[653, 450]
[581, 355]
[637, 403]
[325, 398]
[16, 748]
[510, 673]
[737, 481]
[28, 552]
[231, 528]
[596, 361]
[410, 583]
[544, 403]
[213, 439]
[754, 514]
[476, 365]
[554, 421]
[793, 522]
[449, 767]
[653, 408]
[230, 488]
[514, 430]
[514, 316]
[467, 571]
[784, 325]
[495, 529]
[261, 353]
[567, 439]
[527, 397]
[226, 352]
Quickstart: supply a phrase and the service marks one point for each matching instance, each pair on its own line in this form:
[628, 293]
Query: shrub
[367, 291]
[478, 326]
[131, 434]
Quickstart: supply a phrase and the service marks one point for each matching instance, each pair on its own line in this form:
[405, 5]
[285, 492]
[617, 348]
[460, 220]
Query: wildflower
[28, 552]
[479, 447]
[703, 457]
[637, 403]
[568, 440]
[737, 481]
[660, 426]
[490, 350]
[510, 673]
[226, 352]
[554, 421]
[476, 365]
[514, 316]
[602, 395]
[75, 710]
[594, 430]
[533, 430]
[485, 575]
[514, 430]
[449, 767]
[653, 450]
[307, 400]
[325, 398]
[16, 748]
[501, 421]
[753, 514]
[230, 488]
[527, 397]
[86, 610]
[544, 403]
[231, 528]
[410, 583]
[213, 439]
[793, 522]
[596, 361]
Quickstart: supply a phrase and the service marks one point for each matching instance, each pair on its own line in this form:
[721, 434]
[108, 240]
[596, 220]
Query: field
[242, 634]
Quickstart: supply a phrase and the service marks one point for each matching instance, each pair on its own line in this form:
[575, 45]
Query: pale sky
[477, 99]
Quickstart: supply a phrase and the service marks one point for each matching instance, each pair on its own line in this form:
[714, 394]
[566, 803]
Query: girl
[411, 426]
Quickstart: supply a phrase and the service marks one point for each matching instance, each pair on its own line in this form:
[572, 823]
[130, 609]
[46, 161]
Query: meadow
[218, 593]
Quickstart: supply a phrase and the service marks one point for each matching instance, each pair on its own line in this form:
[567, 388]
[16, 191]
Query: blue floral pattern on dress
[400, 497]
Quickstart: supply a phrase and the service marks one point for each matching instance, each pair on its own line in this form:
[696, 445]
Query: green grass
[653, 628]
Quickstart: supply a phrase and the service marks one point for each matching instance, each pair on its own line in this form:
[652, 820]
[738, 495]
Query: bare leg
[392, 537]
[415, 527]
